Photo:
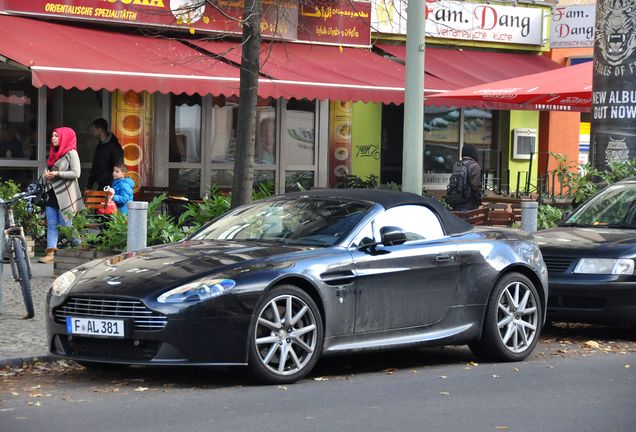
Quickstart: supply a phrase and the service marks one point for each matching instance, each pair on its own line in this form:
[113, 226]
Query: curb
[19, 361]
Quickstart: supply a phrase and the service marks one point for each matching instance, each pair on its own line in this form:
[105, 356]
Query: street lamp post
[413, 144]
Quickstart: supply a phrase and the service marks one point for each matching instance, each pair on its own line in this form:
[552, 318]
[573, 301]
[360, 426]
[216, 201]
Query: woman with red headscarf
[63, 194]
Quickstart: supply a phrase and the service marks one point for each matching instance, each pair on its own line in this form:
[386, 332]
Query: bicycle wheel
[20, 257]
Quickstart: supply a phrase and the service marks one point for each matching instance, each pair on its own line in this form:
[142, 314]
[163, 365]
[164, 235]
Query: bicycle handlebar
[20, 196]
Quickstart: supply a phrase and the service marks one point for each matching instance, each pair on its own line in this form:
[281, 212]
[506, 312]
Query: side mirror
[391, 236]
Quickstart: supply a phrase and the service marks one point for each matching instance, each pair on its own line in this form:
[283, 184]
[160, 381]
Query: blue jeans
[54, 218]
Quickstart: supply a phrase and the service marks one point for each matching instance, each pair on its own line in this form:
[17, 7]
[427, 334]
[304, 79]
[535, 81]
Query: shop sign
[436, 181]
[479, 22]
[341, 22]
[572, 26]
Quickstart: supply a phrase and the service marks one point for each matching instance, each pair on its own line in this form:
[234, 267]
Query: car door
[406, 285]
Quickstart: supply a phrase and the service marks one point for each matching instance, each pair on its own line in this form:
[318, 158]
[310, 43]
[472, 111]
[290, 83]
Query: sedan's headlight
[201, 289]
[63, 283]
[622, 266]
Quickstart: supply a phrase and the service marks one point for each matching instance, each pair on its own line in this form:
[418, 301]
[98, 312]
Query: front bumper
[204, 341]
[603, 299]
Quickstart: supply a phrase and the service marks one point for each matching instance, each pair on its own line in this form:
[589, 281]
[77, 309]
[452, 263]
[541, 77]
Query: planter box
[67, 259]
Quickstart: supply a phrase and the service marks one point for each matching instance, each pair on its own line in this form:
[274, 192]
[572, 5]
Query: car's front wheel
[513, 321]
[286, 334]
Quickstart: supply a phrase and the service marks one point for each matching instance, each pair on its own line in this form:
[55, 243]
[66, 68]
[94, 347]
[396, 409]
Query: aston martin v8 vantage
[278, 283]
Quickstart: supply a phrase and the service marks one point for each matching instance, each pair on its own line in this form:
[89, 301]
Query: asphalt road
[562, 387]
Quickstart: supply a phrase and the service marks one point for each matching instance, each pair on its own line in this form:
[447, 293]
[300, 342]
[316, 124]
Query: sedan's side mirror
[391, 236]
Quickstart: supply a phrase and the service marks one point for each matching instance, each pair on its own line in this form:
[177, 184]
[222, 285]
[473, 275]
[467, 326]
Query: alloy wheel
[517, 317]
[286, 335]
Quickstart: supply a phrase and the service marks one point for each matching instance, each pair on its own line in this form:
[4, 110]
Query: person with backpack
[464, 187]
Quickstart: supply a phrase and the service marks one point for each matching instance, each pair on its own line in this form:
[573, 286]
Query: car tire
[513, 321]
[286, 324]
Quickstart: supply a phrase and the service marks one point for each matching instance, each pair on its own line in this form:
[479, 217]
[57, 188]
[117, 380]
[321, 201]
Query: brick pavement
[20, 339]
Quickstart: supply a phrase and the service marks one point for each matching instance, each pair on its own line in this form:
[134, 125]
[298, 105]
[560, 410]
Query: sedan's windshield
[318, 222]
[614, 207]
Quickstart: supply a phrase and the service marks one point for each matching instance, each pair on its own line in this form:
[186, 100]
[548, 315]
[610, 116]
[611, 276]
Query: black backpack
[458, 191]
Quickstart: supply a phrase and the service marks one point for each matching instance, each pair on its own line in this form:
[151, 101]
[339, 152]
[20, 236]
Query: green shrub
[548, 216]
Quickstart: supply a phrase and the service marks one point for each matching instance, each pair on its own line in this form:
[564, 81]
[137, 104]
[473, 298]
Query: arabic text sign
[341, 22]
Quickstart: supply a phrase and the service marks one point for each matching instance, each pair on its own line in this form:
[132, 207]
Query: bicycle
[15, 246]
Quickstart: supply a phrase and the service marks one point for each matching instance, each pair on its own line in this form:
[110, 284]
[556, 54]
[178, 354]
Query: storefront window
[185, 133]
[478, 127]
[441, 138]
[223, 143]
[299, 135]
[18, 126]
[185, 182]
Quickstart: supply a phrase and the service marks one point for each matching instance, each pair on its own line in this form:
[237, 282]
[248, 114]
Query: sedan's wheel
[513, 321]
[285, 336]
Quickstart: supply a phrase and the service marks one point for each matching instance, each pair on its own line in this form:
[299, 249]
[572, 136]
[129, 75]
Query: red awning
[565, 89]
[463, 68]
[71, 56]
[324, 72]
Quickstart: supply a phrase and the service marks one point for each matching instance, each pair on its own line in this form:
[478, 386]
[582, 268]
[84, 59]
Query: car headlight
[622, 266]
[63, 283]
[201, 289]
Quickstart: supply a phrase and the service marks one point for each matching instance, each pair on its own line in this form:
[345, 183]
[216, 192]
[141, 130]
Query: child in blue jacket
[123, 188]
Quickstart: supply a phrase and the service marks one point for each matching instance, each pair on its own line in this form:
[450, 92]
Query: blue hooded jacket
[123, 193]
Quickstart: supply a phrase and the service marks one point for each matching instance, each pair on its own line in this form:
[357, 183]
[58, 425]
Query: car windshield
[613, 207]
[302, 221]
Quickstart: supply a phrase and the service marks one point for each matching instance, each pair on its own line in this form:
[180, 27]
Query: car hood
[161, 267]
[606, 242]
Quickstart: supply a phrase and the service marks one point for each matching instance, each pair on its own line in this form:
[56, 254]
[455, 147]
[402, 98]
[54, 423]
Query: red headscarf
[67, 142]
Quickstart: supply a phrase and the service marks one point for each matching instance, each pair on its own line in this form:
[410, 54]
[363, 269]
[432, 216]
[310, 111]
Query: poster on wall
[132, 124]
[339, 140]
[614, 84]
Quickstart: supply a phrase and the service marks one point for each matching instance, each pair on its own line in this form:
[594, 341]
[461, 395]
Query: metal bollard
[529, 213]
[137, 225]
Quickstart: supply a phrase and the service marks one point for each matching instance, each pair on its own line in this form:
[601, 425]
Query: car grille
[558, 264]
[111, 308]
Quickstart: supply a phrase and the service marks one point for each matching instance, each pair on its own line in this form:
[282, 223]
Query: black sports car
[590, 259]
[277, 283]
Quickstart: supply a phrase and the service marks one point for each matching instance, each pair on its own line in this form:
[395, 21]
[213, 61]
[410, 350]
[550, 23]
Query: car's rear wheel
[285, 338]
[513, 321]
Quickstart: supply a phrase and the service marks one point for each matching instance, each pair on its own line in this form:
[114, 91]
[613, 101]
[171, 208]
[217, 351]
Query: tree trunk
[246, 120]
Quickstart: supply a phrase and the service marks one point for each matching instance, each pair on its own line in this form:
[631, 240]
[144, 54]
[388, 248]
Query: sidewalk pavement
[23, 340]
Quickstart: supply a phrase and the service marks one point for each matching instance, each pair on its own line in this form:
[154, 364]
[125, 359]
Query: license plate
[95, 327]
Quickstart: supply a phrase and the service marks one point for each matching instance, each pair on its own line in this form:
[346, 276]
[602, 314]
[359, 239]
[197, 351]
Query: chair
[95, 199]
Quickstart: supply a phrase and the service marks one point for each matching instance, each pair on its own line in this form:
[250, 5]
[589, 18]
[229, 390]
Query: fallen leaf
[516, 369]
[472, 363]
[444, 393]
[36, 395]
[321, 379]
[141, 389]
[390, 371]
[502, 427]
[442, 376]
[282, 387]
[626, 366]
[592, 344]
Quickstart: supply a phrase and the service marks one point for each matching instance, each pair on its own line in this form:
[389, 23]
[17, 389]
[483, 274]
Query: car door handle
[442, 258]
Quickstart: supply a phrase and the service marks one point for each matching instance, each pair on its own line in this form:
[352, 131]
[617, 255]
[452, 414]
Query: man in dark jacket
[470, 158]
[108, 153]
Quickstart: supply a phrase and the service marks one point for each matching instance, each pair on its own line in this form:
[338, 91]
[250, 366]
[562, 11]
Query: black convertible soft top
[389, 199]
